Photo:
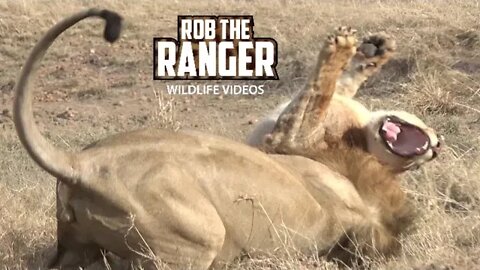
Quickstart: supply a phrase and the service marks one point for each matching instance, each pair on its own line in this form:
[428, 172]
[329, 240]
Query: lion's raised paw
[377, 45]
[373, 53]
[343, 38]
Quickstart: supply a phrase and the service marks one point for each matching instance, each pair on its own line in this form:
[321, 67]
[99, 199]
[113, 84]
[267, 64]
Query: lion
[371, 149]
[193, 200]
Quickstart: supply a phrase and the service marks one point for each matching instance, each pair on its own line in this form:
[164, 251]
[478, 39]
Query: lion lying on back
[325, 117]
[194, 200]
[324, 123]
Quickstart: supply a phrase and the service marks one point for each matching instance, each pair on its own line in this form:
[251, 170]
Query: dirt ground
[87, 89]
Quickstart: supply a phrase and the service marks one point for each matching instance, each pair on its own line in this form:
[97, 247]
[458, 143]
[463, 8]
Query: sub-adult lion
[191, 199]
[371, 149]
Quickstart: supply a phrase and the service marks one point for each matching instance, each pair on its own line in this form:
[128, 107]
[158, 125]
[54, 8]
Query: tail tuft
[113, 25]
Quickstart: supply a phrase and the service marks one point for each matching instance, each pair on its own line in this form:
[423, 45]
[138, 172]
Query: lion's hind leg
[305, 114]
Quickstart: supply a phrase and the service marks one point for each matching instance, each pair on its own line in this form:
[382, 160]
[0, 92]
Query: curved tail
[55, 161]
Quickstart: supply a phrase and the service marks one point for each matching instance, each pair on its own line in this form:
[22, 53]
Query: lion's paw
[345, 37]
[342, 40]
[377, 45]
[374, 52]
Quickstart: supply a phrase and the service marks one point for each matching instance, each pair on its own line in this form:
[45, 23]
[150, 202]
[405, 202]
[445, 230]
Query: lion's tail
[57, 162]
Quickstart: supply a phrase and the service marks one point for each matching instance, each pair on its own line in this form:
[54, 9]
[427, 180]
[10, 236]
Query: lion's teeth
[390, 144]
[425, 146]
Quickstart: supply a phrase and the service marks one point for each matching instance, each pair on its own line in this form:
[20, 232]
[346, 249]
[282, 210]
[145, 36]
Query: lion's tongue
[391, 131]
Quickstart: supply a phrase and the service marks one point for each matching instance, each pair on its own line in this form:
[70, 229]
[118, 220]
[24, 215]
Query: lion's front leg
[372, 54]
[300, 124]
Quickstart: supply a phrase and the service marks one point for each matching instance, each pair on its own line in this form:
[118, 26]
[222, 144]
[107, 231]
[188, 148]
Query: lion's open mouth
[402, 138]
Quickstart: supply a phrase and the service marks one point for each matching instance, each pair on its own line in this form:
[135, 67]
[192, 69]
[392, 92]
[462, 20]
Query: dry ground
[87, 89]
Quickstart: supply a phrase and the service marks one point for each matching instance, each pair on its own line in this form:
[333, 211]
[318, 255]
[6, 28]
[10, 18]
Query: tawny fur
[190, 199]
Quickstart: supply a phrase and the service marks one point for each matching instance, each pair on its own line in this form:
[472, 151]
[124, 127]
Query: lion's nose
[437, 148]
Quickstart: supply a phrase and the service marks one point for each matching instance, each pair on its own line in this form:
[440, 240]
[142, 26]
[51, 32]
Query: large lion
[191, 199]
[371, 149]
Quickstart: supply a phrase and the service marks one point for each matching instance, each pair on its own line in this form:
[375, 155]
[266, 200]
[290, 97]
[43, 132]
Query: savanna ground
[87, 89]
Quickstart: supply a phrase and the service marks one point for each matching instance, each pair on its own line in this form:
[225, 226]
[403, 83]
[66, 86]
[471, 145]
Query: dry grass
[435, 75]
